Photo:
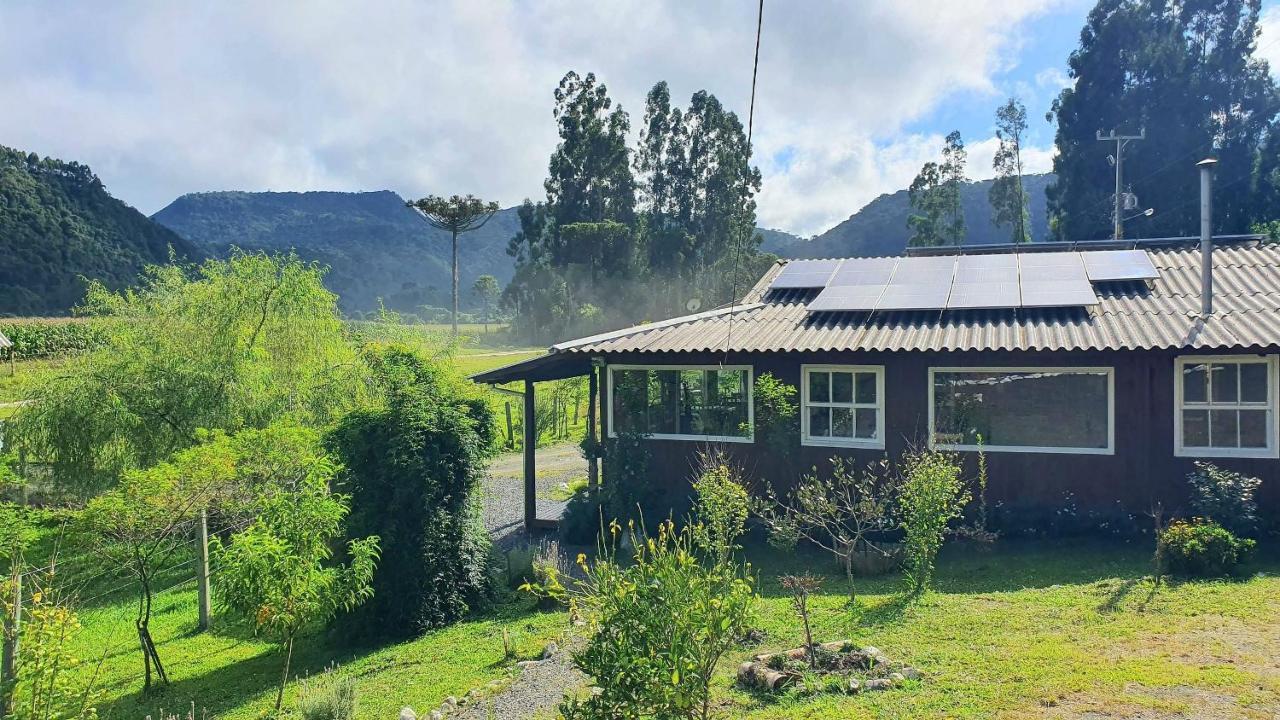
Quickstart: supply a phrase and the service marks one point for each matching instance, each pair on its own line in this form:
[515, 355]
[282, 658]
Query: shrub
[661, 622]
[1202, 548]
[1225, 497]
[329, 697]
[932, 495]
[625, 493]
[414, 467]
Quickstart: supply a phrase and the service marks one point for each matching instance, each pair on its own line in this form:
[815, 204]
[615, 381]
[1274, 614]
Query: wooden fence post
[593, 468]
[202, 569]
[511, 436]
[9, 658]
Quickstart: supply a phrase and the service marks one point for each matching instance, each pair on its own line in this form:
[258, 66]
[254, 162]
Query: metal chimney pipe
[1206, 235]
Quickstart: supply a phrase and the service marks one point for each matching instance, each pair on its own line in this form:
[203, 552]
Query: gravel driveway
[504, 489]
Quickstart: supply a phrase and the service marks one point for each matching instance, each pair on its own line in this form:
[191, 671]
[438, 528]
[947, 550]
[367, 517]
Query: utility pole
[1120, 141]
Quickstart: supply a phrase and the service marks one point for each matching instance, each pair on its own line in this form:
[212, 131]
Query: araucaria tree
[937, 216]
[1189, 74]
[145, 520]
[231, 344]
[278, 572]
[1009, 204]
[455, 215]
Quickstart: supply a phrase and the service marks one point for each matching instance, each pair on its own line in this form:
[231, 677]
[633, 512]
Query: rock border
[880, 673]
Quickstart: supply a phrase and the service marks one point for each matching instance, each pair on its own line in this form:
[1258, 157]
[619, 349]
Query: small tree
[487, 291]
[47, 687]
[801, 587]
[146, 519]
[456, 215]
[1224, 496]
[933, 494]
[835, 512]
[277, 571]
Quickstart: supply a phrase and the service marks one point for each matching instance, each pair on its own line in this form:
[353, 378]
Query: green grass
[27, 374]
[1023, 630]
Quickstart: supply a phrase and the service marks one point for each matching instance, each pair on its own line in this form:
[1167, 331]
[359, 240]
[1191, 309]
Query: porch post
[530, 446]
[593, 469]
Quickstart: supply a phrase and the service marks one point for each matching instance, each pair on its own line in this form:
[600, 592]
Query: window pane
[664, 399]
[1253, 428]
[1225, 382]
[866, 388]
[1195, 428]
[819, 422]
[680, 402]
[1253, 382]
[841, 387]
[1224, 426]
[1022, 409]
[865, 424]
[819, 386]
[1194, 379]
[630, 401]
[841, 422]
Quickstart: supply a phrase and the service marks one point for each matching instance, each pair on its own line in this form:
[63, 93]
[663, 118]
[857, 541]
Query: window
[1225, 406]
[1049, 410]
[843, 405]
[681, 402]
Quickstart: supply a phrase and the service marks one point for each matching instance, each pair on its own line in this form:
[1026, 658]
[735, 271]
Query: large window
[681, 402]
[1050, 410]
[1225, 406]
[843, 405]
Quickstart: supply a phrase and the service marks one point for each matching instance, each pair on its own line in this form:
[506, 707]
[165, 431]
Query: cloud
[1269, 40]
[982, 153]
[444, 97]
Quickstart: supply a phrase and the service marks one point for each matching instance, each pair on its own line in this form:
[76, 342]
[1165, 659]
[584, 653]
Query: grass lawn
[17, 386]
[1024, 630]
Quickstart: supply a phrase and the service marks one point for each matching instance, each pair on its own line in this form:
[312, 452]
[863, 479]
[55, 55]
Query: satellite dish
[693, 305]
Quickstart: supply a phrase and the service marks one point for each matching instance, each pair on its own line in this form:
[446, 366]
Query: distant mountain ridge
[375, 247]
[59, 225]
[880, 227]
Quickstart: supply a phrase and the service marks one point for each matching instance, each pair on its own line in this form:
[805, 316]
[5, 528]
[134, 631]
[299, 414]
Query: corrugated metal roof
[1130, 316]
[4, 341]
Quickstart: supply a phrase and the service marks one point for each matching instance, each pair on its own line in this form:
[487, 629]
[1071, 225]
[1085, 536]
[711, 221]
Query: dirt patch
[1175, 703]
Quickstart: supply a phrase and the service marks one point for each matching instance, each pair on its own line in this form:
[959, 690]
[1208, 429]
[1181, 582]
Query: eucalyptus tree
[1007, 196]
[455, 215]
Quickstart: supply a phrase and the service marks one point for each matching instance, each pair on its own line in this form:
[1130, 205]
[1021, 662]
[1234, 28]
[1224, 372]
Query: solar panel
[1057, 293]
[914, 297]
[1103, 265]
[865, 271]
[805, 274]
[987, 269]
[926, 272]
[984, 295]
[846, 297]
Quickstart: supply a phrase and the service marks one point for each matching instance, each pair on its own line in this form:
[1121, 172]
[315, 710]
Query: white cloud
[168, 98]
[982, 153]
[1269, 41]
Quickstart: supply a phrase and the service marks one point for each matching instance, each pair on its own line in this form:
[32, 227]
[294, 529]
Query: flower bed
[855, 668]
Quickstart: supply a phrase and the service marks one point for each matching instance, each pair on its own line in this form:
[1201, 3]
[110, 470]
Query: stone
[550, 650]
[407, 713]
[871, 650]
[879, 684]
[896, 677]
[855, 686]
[910, 673]
[451, 702]
[435, 715]
[524, 664]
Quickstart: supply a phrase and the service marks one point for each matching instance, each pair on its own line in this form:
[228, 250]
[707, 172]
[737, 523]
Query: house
[1092, 375]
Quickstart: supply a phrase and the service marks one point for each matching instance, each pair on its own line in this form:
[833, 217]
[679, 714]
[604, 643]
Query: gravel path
[535, 692]
[504, 489]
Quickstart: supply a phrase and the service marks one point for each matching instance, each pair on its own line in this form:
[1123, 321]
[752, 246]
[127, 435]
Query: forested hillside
[880, 227]
[374, 246]
[58, 225]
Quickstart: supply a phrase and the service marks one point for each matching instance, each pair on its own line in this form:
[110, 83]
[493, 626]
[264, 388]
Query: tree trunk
[455, 289]
[284, 678]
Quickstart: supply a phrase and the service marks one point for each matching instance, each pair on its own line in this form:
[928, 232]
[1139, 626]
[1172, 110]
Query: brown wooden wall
[1142, 471]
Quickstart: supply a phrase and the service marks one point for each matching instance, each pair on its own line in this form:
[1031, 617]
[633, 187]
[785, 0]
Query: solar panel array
[968, 282]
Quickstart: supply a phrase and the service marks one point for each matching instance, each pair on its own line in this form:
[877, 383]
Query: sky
[167, 98]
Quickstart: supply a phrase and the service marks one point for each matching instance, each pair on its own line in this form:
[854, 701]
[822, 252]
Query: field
[1023, 630]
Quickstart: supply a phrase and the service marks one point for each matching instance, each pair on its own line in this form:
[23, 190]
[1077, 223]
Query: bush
[1225, 497]
[414, 467]
[1202, 548]
[328, 697]
[626, 492]
[932, 495]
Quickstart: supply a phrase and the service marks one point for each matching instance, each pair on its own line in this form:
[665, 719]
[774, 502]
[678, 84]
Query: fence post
[511, 437]
[593, 468]
[9, 659]
[202, 569]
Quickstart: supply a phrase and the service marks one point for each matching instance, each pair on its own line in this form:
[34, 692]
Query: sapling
[801, 587]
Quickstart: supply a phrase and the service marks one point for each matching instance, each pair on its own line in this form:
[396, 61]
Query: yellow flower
[582, 559]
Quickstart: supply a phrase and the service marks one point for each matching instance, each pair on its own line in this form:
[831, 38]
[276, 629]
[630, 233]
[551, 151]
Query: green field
[1022, 630]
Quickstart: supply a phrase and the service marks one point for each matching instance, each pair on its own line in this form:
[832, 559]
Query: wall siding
[1142, 472]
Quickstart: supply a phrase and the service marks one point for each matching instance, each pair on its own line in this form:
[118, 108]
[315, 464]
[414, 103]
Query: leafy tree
[278, 571]
[937, 216]
[952, 174]
[1009, 203]
[1189, 75]
[932, 495]
[231, 344]
[455, 215]
[487, 291]
[414, 463]
[140, 525]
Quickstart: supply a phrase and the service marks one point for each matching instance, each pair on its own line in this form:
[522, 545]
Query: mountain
[374, 246]
[880, 227]
[58, 225]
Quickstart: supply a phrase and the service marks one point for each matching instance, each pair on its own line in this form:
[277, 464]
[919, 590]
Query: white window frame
[751, 411]
[1110, 372]
[1272, 450]
[876, 443]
